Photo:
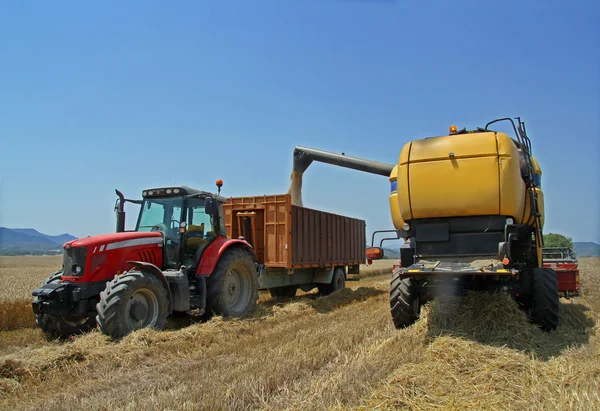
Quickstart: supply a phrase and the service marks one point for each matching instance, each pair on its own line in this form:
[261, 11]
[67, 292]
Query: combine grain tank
[297, 247]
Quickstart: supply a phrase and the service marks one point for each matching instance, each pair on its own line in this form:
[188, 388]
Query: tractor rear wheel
[289, 291]
[338, 282]
[132, 301]
[544, 309]
[405, 305]
[232, 289]
[64, 326]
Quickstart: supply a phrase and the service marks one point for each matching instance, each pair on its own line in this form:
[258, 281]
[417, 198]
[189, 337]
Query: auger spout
[304, 156]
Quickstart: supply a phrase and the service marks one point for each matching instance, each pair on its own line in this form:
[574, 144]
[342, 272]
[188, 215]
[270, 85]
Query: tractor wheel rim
[141, 309]
[237, 289]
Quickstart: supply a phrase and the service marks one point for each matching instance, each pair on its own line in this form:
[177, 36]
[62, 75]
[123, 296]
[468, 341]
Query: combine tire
[132, 301]
[544, 299]
[233, 286]
[405, 306]
[288, 291]
[338, 282]
[62, 327]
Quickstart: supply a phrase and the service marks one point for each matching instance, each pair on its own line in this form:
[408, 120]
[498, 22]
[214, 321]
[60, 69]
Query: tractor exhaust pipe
[120, 210]
[304, 156]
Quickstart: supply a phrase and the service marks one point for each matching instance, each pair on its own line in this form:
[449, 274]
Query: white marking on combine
[101, 248]
[131, 243]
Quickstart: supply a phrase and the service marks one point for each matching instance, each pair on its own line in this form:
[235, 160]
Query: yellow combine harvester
[470, 209]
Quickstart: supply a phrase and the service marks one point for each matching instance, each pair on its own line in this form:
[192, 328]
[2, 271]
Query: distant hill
[30, 241]
[586, 249]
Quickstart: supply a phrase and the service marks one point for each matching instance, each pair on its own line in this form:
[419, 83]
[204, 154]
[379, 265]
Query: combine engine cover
[477, 174]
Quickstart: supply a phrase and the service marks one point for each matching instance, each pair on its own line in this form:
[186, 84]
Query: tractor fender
[148, 268]
[212, 254]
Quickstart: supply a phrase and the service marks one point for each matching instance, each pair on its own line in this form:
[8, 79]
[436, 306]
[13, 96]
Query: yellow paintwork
[540, 196]
[461, 175]
[394, 204]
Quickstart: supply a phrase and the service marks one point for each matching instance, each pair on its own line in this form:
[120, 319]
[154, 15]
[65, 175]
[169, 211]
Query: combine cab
[563, 261]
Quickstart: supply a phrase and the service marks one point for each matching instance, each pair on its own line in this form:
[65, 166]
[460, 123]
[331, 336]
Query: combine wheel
[65, 326]
[233, 286]
[338, 282]
[132, 301]
[405, 304]
[288, 291]
[544, 299]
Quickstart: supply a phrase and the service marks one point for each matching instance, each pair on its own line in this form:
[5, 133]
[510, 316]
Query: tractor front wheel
[132, 301]
[544, 309]
[233, 286]
[64, 326]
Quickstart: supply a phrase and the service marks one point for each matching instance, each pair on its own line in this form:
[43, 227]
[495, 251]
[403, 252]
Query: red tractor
[177, 260]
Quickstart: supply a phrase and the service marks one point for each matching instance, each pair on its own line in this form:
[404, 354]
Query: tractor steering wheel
[175, 227]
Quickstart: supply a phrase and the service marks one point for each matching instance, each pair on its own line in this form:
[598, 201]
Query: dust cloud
[295, 189]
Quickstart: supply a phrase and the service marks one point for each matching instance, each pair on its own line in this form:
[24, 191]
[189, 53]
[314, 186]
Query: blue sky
[130, 95]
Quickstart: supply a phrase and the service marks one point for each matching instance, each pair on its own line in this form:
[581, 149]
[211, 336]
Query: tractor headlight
[406, 227]
[76, 269]
[510, 221]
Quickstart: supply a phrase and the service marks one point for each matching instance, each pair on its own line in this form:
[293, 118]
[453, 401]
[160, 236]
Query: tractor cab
[188, 219]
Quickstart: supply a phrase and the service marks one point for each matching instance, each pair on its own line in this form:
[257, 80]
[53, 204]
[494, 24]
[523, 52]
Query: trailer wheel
[65, 326]
[544, 299]
[233, 286]
[289, 291]
[405, 305]
[338, 282]
[132, 301]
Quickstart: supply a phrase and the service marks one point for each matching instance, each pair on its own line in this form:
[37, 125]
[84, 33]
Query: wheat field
[334, 352]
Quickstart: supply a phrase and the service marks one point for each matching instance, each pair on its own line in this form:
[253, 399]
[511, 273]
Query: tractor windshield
[161, 214]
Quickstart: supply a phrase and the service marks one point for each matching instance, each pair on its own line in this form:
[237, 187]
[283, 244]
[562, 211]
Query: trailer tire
[544, 310]
[232, 289]
[405, 305]
[64, 327]
[338, 282]
[289, 291]
[132, 301]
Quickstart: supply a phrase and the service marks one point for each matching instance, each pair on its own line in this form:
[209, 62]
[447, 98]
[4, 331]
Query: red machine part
[567, 274]
[108, 254]
[210, 256]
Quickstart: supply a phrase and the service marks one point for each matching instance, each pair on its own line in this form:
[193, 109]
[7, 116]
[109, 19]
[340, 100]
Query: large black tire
[132, 301]
[405, 304]
[338, 282]
[232, 288]
[62, 327]
[289, 291]
[544, 309]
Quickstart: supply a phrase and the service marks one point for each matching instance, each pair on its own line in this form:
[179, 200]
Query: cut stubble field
[309, 352]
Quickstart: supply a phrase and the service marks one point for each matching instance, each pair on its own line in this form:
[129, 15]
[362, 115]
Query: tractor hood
[117, 240]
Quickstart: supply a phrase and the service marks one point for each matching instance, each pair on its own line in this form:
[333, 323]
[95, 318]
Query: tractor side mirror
[211, 206]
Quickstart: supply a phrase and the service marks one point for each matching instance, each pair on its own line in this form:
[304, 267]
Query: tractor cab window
[161, 214]
[200, 230]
